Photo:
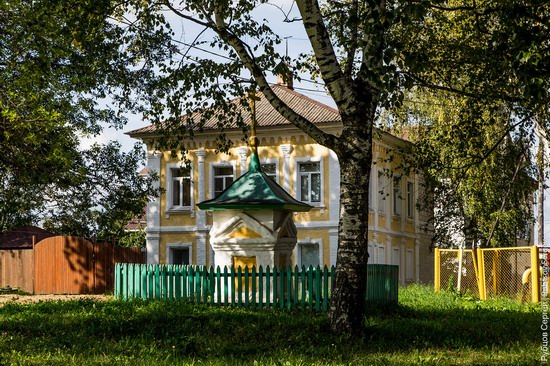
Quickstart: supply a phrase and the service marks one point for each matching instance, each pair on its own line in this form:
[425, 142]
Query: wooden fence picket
[263, 288]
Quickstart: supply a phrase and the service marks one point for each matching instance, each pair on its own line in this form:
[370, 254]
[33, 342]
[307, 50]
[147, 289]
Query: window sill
[316, 206]
[178, 211]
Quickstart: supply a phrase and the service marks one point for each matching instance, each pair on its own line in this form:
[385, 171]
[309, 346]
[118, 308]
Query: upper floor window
[396, 195]
[270, 169]
[180, 187]
[223, 177]
[410, 199]
[309, 181]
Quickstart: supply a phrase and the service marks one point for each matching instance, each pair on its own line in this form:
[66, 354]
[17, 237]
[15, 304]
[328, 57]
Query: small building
[252, 221]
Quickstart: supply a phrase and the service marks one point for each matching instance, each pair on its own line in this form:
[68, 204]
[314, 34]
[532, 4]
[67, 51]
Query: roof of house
[266, 114]
[254, 190]
[22, 238]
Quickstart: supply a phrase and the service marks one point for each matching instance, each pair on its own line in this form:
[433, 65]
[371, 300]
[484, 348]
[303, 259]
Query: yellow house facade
[178, 232]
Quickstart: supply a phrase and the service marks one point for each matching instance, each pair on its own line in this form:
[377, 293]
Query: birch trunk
[347, 303]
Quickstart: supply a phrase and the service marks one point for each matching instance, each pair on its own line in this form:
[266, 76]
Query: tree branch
[337, 83]
[246, 55]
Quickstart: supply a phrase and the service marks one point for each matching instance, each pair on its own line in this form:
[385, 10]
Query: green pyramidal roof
[254, 190]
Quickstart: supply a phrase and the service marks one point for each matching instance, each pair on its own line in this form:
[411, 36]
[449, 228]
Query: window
[410, 199]
[180, 256]
[309, 255]
[377, 253]
[396, 195]
[409, 266]
[381, 192]
[223, 177]
[309, 179]
[179, 253]
[270, 169]
[180, 188]
[396, 257]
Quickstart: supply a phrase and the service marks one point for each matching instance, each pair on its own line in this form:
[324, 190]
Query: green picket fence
[281, 288]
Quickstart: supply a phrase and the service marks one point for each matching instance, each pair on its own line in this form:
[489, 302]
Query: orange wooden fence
[17, 269]
[65, 265]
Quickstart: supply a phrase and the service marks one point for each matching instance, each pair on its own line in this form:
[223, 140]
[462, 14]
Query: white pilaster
[388, 249]
[153, 211]
[333, 253]
[201, 184]
[417, 260]
[334, 187]
[201, 249]
[402, 257]
[286, 149]
[243, 152]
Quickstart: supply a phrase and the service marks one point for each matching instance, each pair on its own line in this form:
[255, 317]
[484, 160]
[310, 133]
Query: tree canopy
[59, 61]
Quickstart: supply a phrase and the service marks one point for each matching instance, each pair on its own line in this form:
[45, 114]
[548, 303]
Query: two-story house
[177, 231]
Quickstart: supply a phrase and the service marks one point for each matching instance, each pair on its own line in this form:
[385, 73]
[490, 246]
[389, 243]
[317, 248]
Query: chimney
[284, 75]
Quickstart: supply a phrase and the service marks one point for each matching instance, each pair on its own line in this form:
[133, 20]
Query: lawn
[425, 329]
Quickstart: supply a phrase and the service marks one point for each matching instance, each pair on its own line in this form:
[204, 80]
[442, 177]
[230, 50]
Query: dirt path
[25, 299]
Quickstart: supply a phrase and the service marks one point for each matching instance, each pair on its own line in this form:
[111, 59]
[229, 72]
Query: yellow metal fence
[492, 272]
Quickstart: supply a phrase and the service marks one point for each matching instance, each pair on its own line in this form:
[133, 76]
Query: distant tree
[59, 61]
[477, 163]
[105, 195]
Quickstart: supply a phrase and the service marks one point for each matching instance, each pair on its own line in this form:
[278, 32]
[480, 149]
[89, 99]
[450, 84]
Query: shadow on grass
[184, 331]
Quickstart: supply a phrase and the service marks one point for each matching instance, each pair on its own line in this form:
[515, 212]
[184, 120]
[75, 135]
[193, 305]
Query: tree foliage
[368, 54]
[58, 63]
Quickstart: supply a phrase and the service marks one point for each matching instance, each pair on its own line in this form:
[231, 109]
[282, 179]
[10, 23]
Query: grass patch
[426, 329]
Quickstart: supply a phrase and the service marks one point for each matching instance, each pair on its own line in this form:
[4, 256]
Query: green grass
[426, 329]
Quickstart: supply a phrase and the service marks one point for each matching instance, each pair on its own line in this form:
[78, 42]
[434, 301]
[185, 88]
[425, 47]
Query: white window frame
[272, 161]
[297, 252]
[411, 204]
[222, 164]
[297, 186]
[376, 251]
[397, 201]
[169, 189]
[174, 246]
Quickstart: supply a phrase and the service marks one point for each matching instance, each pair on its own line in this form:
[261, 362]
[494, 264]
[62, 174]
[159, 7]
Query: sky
[296, 42]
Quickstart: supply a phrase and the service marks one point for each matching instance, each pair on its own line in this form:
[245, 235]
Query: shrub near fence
[282, 288]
